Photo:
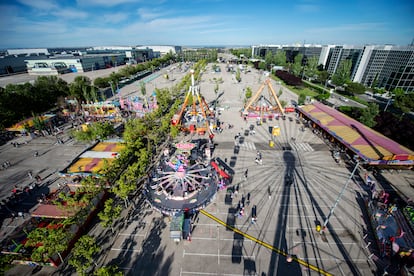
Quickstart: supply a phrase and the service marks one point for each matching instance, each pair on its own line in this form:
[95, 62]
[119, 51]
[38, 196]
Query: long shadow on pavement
[278, 263]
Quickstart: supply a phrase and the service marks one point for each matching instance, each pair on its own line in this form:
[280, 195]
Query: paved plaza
[293, 190]
[287, 212]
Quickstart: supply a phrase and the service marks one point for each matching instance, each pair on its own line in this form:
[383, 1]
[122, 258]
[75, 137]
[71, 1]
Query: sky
[85, 23]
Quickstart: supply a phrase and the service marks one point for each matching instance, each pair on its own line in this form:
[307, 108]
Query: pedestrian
[269, 192]
[36, 154]
[236, 190]
[254, 214]
[30, 174]
[246, 173]
[248, 199]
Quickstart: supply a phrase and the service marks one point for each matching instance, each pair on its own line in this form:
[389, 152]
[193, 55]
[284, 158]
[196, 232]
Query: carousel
[183, 178]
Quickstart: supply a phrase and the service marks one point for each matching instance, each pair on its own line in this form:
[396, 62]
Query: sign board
[276, 131]
[185, 146]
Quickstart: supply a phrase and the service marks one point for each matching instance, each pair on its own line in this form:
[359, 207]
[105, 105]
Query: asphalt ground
[286, 220]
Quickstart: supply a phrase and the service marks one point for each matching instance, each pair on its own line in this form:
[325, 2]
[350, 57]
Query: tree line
[122, 180]
[20, 101]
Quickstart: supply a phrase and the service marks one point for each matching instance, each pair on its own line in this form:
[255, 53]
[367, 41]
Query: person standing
[246, 173]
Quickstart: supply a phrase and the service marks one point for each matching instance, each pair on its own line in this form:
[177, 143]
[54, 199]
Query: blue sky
[47, 23]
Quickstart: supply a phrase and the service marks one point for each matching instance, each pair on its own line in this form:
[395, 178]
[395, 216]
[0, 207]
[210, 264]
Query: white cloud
[106, 3]
[115, 17]
[70, 13]
[148, 14]
[179, 22]
[40, 4]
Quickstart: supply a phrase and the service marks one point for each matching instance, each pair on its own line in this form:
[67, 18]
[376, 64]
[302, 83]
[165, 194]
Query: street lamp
[112, 88]
[358, 161]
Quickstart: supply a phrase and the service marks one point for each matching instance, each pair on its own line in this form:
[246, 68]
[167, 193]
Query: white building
[162, 50]
[27, 52]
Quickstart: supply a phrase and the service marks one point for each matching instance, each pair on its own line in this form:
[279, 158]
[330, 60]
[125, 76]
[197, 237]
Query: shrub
[288, 78]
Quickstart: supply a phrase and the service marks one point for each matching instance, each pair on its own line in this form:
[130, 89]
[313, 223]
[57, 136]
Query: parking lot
[288, 210]
[293, 191]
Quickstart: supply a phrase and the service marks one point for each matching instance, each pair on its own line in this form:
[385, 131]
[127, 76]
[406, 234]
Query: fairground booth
[371, 146]
[93, 160]
[28, 124]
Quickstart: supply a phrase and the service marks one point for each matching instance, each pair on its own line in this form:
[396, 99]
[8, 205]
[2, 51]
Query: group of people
[5, 165]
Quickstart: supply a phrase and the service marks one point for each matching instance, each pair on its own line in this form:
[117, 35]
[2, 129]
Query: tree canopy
[368, 115]
[403, 101]
[342, 74]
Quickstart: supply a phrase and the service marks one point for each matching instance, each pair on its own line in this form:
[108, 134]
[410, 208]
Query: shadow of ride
[279, 264]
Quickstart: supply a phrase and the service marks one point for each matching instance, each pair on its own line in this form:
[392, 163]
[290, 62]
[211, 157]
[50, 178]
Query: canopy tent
[28, 123]
[94, 159]
[370, 145]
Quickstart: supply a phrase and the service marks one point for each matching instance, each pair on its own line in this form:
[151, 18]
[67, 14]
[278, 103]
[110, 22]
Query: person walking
[246, 173]
[254, 214]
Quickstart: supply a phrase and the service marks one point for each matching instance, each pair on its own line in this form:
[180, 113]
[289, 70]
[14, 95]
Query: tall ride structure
[261, 107]
[195, 118]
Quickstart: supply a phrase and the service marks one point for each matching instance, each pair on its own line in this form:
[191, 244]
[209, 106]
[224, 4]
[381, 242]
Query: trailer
[176, 227]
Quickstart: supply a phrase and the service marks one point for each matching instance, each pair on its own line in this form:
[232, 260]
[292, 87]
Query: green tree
[78, 88]
[83, 254]
[249, 93]
[53, 240]
[403, 101]
[143, 91]
[342, 75]
[269, 59]
[280, 93]
[262, 65]
[94, 131]
[101, 82]
[301, 98]
[323, 76]
[216, 88]
[238, 77]
[109, 214]
[38, 123]
[311, 68]
[355, 88]
[108, 271]
[368, 115]
[296, 67]
[280, 58]
[94, 94]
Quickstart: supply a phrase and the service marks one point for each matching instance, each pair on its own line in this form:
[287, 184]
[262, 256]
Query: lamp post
[340, 195]
[112, 88]
[388, 103]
